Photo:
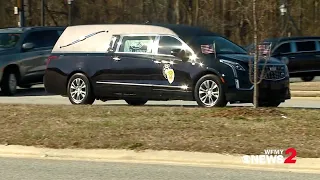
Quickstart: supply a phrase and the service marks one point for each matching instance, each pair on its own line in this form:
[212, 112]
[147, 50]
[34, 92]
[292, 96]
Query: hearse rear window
[137, 44]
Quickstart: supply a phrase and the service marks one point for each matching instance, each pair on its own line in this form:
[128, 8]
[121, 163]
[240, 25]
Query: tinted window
[138, 44]
[9, 40]
[220, 44]
[167, 44]
[284, 48]
[48, 38]
[306, 46]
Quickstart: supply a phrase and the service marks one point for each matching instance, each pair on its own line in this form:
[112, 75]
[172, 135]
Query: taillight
[51, 58]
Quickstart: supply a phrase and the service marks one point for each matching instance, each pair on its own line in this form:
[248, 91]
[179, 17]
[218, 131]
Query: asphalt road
[37, 95]
[34, 169]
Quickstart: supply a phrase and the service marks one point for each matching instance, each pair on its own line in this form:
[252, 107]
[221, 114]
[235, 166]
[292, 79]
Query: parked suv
[138, 63]
[23, 55]
[302, 55]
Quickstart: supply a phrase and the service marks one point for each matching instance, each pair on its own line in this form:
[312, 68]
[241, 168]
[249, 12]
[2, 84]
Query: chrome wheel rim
[78, 90]
[12, 82]
[209, 93]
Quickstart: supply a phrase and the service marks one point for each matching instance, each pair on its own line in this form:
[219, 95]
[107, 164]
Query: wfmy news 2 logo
[272, 156]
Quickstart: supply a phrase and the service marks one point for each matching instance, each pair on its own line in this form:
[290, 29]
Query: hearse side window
[306, 46]
[137, 44]
[167, 44]
[284, 48]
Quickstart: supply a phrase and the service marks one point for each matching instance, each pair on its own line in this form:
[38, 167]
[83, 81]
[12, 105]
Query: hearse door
[132, 67]
[174, 75]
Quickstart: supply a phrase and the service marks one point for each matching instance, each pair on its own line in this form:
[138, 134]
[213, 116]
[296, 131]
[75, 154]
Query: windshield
[8, 40]
[221, 45]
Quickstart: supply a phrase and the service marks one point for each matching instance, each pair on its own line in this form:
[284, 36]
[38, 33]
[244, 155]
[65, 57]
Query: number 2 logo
[293, 154]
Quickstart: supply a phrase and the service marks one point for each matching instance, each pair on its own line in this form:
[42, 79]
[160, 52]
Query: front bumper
[268, 91]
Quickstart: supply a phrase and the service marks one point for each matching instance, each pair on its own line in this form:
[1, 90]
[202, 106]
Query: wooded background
[231, 18]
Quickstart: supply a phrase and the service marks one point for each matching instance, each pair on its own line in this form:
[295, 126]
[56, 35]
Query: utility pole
[42, 13]
[283, 10]
[70, 12]
[20, 7]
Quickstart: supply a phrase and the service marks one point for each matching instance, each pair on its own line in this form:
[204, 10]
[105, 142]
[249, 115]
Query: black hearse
[138, 63]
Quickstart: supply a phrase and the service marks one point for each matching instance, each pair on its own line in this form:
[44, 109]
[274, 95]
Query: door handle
[116, 58]
[157, 62]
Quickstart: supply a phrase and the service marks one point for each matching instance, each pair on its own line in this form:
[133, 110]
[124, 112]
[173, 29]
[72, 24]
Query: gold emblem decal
[168, 73]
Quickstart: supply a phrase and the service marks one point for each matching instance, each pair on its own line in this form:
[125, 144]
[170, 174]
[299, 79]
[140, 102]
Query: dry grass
[225, 130]
[305, 86]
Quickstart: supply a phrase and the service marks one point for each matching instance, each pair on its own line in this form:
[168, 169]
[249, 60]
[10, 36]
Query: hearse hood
[244, 58]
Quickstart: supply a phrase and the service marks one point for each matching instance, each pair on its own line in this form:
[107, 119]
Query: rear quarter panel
[60, 70]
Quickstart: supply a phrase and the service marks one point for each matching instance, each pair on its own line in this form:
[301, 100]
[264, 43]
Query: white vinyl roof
[96, 38]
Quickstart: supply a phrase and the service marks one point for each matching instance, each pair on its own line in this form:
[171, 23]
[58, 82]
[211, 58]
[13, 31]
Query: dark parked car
[302, 55]
[23, 55]
[138, 63]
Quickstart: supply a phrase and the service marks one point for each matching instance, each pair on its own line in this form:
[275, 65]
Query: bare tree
[262, 52]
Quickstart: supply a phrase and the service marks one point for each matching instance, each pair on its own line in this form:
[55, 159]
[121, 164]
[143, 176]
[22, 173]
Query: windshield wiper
[83, 38]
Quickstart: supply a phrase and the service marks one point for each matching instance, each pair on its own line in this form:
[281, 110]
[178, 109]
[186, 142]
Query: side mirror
[27, 46]
[180, 54]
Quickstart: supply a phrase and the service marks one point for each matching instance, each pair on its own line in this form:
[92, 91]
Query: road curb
[303, 165]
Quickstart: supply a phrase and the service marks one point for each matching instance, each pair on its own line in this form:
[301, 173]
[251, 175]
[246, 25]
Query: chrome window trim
[293, 45]
[156, 41]
[134, 35]
[187, 47]
[296, 46]
[280, 44]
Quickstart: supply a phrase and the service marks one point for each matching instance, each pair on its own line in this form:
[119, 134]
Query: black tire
[307, 78]
[26, 86]
[220, 101]
[136, 102]
[9, 83]
[269, 104]
[86, 99]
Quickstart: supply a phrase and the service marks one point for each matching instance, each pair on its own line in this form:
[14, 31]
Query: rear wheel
[209, 92]
[136, 102]
[307, 78]
[79, 90]
[269, 104]
[9, 83]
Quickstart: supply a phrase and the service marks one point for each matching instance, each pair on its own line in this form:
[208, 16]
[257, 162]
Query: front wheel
[136, 102]
[79, 90]
[209, 92]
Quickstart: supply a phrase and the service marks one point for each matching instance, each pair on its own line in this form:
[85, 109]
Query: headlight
[234, 65]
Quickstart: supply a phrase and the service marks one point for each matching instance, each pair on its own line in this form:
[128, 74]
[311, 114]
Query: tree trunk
[255, 64]
[195, 12]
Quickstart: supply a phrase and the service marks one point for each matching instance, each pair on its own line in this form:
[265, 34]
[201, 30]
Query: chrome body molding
[183, 87]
